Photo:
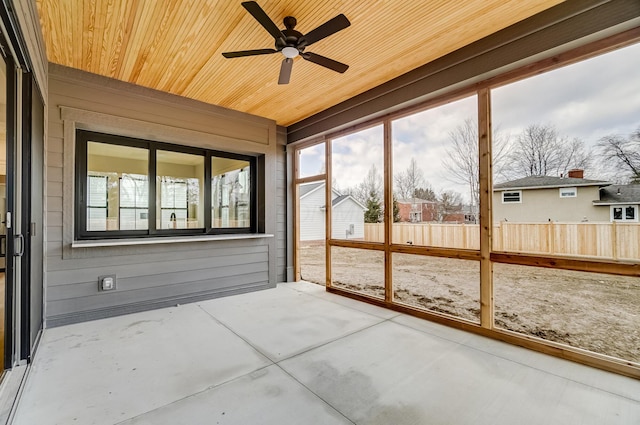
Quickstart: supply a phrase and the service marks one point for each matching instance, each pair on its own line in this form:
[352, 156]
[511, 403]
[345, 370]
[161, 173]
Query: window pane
[435, 176]
[358, 270]
[617, 213]
[444, 285]
[117, 180]
[630, 213]
[134, 195]
[593, 311]
[564, 126]
[179, 190]
[311, 232]
[357, 200]
[311, 161]
[230, 193]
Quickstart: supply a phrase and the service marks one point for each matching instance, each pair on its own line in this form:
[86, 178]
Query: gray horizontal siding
[119, 304]
[150, 275]
[281, 207]
[116, 298]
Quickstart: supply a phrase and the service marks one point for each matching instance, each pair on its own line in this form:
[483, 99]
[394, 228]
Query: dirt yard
[597, 312]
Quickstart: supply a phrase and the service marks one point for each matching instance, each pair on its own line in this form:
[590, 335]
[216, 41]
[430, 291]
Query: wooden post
[552, 238]
[486, 219]
[327, 209]
[296, 226]
[388, 212]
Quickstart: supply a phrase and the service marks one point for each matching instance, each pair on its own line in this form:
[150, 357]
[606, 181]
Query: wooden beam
[460, 254]
[620, 268]
[388, 211]
[327, 226]
[486, 218]
[347, 243]
[296, 232]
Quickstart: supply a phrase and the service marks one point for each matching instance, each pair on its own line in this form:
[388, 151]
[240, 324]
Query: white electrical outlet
[107, 283]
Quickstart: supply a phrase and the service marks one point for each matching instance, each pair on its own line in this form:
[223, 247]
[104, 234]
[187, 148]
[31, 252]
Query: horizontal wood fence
[617, 241]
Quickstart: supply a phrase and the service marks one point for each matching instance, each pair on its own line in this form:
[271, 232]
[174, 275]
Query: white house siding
[312, 215]
[345, 214]
[149, 276]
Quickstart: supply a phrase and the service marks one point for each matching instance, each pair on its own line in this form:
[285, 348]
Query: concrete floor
[298, 355]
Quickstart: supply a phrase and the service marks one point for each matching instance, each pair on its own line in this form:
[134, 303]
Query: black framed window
[128, 187]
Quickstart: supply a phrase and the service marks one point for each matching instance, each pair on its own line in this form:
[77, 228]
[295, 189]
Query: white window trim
[623, 219]
[519, 192]
[573, 190]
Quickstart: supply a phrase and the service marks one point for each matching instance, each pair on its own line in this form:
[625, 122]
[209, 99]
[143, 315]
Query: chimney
[576, 173]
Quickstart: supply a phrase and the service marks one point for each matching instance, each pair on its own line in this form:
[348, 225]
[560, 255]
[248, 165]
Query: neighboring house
[623, 202]
[547, 198]
[347, 214]
[415, 210]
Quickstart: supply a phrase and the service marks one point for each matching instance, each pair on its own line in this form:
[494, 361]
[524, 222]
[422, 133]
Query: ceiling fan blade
[330, 27]
[285, 71]
[256, 11]
[242, 53]
[326, 62]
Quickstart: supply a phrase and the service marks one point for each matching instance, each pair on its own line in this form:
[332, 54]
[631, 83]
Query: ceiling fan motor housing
[291, 36]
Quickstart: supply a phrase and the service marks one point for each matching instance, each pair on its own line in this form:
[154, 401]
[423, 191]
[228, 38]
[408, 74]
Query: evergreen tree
[396, 210]
[374, 209]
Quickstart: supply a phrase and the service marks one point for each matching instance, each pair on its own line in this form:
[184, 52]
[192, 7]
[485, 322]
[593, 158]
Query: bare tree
[407, 182]
[540, 151]
[372, 184]
[622, 153]
[462, 161]
[450, 202]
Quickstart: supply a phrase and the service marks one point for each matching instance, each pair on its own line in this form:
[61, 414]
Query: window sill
[165, 240]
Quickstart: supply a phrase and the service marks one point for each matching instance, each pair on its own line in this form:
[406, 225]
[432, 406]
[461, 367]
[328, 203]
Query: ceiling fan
[292, 43]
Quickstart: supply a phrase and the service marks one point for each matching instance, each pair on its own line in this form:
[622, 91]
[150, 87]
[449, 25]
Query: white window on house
[624, 213]
[514, 196]
[568, 192]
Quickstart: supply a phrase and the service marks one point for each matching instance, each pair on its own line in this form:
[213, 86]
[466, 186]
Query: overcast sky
[587, 100]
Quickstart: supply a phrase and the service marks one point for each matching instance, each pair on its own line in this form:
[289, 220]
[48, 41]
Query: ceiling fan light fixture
[290, 52]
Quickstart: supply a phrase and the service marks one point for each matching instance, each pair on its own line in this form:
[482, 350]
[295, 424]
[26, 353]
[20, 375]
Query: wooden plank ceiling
[176, 45]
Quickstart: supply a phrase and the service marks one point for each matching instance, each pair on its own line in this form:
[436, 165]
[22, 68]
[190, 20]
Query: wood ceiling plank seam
[127, 35]
[154, 68]
[67, 29]
[398, 58]
[244, 24]
[202, 75]
[88, 33]
[76, 17]
[150, 47]
[244, 89]
[113, 38]
[180, 22]
[160, 45]
[191, 47]
[108, 35]
[216, 24]
[98, 32]
[57, 34]
[138, 40]
[46, 11]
